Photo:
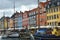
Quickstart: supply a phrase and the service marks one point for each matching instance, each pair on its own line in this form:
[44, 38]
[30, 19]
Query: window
[51, 17]
[49, 2]
[47, 18]
[34, 13]
[49, 10]
[59, 8]
[55, 23]
[50, 23]
[40, 19]
[54, 9]
[29, 14]
[58, 3]
[41, 11]
[44, 9]
[57, 16]
[42, 14]
[48, 6]
[54, 16]
[59, 24]
[34, 16]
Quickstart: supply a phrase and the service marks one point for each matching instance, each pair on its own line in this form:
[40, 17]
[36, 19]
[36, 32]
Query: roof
[14, 14]
[17, 13]
[43, 3]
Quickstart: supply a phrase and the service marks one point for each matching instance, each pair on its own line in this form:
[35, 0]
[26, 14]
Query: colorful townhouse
[42, 13]
[17, 19]
[25, 19]
[4, 22]
[11, 24]
[53, 13]
[33, 17]
[7, 19]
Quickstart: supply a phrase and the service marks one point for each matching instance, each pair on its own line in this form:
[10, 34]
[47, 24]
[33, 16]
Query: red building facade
[25, 21]
[32, 18]
[42, 8]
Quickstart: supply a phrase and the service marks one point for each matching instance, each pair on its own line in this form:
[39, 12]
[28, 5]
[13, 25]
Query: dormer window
[48, 6]
[58, 3]
[49, 2]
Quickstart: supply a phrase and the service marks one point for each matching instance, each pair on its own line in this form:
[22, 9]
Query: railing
[39, 38]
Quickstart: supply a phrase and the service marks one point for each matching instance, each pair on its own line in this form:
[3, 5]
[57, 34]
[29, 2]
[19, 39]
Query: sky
[6, 6]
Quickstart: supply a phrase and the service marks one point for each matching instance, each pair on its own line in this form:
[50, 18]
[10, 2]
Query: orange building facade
[42, 13]
[11, 25]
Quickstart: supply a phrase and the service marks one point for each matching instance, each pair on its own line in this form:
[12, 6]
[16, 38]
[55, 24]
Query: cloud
[28, 7]
[9, 12]
[6, 6]
[10, 3]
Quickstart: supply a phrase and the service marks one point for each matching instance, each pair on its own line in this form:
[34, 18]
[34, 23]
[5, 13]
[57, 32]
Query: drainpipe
[38, 16]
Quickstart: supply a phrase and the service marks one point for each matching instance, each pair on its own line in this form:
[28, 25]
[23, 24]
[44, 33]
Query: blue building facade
[19, 22]
[17, 18]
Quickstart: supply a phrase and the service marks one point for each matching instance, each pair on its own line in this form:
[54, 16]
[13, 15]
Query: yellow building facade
[5, 23]
[53, 16]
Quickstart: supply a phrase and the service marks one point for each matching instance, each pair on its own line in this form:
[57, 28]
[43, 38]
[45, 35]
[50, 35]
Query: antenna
[14, 12]
[4, 14]
[38, 3]
[14, 6]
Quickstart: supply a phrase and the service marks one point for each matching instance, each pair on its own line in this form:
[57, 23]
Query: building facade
[42, 12]
[33, 18]
[53, 13]
[17, 19]
[4, 22]
[11, 23]
[20, 20]
[25, 19]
